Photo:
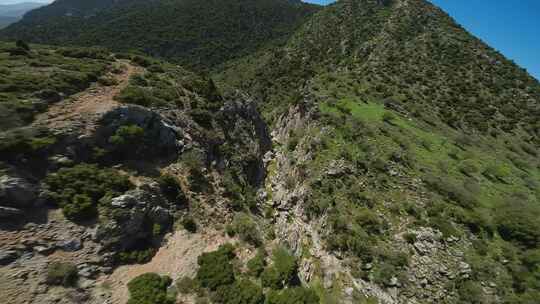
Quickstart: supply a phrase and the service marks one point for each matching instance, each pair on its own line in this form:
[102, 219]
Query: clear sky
[510, 26]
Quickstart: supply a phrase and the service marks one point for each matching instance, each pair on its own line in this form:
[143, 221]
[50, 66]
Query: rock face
[133, 217]
[8, 212]
[164, 135]
[17, 192]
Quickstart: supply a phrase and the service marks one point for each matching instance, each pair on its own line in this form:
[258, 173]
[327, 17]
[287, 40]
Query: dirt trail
[83, 109]
[178, 258]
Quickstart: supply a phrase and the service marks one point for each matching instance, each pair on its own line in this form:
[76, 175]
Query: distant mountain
[195, 33]
[5, 21]
[19, 9]
[11, 13]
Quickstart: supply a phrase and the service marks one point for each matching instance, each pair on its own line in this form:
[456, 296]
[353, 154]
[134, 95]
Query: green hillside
[194, 33]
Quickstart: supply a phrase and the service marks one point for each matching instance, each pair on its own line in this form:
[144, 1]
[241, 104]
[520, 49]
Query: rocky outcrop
[163, 134]
[132, 218]
[17, 192]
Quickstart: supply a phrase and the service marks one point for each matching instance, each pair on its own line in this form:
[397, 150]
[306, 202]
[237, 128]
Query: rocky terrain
[364, 152]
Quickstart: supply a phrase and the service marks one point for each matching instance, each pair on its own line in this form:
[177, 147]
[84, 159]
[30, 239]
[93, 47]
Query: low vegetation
[78, 190]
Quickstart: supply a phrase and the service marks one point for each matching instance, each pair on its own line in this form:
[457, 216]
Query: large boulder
[17, 192]
[164, 135]
[133, 217]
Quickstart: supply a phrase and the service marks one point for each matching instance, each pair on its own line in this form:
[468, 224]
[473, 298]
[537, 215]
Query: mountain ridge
[369, 151]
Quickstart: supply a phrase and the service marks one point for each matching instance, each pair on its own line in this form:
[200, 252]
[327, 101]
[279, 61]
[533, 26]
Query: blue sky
[512, 27]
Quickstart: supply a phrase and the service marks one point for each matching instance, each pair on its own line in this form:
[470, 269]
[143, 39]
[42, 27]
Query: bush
[241, 292]
[270, 278]
[142, 61]
[283, 271]
[215, 268]
[140, 256]
[93, 53]
[22, 45]
[468, 167]
[257, 263]
[150, 288]
[471, 293]
[517, 221]
[171, 188]
[189, 224]
[452, 190]
[297, 295]
[410, 237]
[64, 274]
[136, 95]
[187, 285]
[78, 189]
[246, 228]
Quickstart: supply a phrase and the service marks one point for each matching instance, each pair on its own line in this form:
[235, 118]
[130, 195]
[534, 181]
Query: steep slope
[400, 142]
[194, 33]
[409, 52]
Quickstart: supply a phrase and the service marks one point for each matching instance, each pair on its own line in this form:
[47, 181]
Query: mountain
[194, 33]
[18, 9]
[10, 13]
[5, 21]
[369, 151]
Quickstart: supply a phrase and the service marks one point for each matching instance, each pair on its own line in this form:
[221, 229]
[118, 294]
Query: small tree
[64, 274]
[22, 45]
[149, 288]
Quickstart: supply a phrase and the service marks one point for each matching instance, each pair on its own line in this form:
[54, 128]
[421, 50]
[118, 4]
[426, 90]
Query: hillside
[5, 21]
[195, 33]
[371, 151]
[11, 13]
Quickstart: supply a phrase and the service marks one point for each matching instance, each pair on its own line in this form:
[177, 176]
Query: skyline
[509, 28]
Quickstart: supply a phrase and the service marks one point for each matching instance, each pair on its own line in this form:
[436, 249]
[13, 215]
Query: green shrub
[246, 228]
[64, 274]
[468, 167]
[410, 237]
[452, 190]
[137, 95]
[142, 61]
[215, 268]
[187, 285]
[471, 293]
[93, 53]
[139, 256]
[517, 221]
[283, 271]
[150, 288]
[78, 189]
[297, 295]
[171, 188]
[22, 45]
[240, 292]
[126, 137]
[256, 264]
[80, 207]
[189, 224]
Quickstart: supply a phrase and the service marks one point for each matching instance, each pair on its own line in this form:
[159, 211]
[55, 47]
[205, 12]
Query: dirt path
[83, 109]
[178, 258]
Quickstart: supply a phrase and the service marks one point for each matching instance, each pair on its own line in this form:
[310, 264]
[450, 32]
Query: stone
[393, 282]
[8, 212]
[43, 250]
[367, 266]
[17, 192]
[8, 256]
[70, 245]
